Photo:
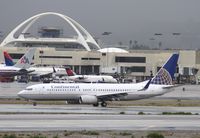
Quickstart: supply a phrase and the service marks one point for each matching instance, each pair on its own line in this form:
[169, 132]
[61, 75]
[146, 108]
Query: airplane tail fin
[70, 72]
[8, 59]
[25, 61]
[54, 70]
[166, 74]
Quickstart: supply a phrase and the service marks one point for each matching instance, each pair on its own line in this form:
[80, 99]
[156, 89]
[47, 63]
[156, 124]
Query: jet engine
[88, 99]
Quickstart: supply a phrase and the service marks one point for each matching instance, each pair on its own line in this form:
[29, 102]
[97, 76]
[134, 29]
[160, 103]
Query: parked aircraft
[47, 71]
[38, 70]
[95, 93]
[72, 76]
[20, 68]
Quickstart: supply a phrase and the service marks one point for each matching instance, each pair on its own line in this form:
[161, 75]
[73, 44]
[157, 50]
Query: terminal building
[83, 54]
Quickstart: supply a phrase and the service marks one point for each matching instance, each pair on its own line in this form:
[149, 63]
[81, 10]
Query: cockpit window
[29, 89]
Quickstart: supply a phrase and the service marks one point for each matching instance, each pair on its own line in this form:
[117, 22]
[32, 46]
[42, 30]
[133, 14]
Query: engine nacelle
[88, 99]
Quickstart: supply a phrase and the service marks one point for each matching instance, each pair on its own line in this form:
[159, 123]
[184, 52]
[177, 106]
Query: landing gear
[103, 104]
[34, 103]
[96, 104]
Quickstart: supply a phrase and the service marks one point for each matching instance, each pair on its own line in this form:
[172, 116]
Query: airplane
[43, 72]
[95, 93]
[72, 76]
[20, 68]
[38, 71]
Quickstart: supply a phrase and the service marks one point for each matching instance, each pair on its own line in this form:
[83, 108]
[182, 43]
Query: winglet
[146, 86]
[8, 59]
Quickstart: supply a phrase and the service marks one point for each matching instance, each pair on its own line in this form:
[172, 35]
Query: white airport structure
[82, 39]
[84, 55]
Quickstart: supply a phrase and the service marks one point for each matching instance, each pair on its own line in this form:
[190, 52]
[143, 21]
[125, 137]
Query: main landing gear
[34, 104]
[103, 104]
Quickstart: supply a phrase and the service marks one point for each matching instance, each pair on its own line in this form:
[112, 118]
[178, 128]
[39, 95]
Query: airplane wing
[111, 96]
[24, 72]
[43, 75]
[81, 77]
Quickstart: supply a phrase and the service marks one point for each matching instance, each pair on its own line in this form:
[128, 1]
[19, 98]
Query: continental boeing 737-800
[95, 93]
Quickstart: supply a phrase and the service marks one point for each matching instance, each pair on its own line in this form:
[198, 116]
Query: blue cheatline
[166, 73]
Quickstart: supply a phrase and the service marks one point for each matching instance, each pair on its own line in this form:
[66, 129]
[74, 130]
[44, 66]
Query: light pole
[152, 42]
[106, 34]
[1, 36]
[160, 42]
[175, 36]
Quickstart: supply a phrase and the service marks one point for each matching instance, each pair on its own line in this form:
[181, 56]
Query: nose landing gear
[103, 104]
[34, 104]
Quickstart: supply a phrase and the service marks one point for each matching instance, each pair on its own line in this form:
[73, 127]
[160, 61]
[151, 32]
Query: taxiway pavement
[89, 109]
[58, 122]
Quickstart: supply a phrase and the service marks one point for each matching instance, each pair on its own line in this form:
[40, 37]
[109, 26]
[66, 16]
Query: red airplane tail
[69, 72]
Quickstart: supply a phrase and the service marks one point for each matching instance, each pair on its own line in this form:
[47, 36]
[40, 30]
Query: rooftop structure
[50, 32]
[83, 38]
[112, 50]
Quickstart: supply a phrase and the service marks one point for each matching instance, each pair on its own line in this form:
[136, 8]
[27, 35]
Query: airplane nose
[21, 94]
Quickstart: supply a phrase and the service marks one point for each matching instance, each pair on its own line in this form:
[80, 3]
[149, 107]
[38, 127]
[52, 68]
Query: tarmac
[59, 122]
[26, 117]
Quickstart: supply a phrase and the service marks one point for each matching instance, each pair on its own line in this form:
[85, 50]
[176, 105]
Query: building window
[85, 70]
[103, 54]
[131, 59]
[90, 58]
[55, 57]
[135, 69]
[16, 56]
[185, 71]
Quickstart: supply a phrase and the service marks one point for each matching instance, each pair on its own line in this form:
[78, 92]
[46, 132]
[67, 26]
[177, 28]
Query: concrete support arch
[29, 22]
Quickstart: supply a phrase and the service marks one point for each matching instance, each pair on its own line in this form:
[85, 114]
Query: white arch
[76, 26]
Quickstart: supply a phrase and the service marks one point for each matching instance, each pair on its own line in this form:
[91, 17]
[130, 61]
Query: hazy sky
[126, 19]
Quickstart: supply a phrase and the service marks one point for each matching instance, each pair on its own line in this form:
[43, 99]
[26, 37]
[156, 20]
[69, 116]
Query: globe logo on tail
[163, 77]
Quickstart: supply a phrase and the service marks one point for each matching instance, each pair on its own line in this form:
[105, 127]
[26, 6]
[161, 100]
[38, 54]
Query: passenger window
[29, 89]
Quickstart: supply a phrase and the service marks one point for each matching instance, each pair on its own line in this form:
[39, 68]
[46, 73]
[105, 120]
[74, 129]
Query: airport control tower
[50, 32]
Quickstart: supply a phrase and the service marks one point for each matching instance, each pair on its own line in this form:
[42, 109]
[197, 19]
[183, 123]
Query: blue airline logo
[163, 77]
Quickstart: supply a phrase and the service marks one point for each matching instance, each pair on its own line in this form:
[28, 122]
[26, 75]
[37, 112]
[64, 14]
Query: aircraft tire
[103, 104]
[34, 104]
[96, 104]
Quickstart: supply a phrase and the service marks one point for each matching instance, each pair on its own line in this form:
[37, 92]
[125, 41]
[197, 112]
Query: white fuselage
[93, 78]
[7, 71]
[40, 71]
[73, 91]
